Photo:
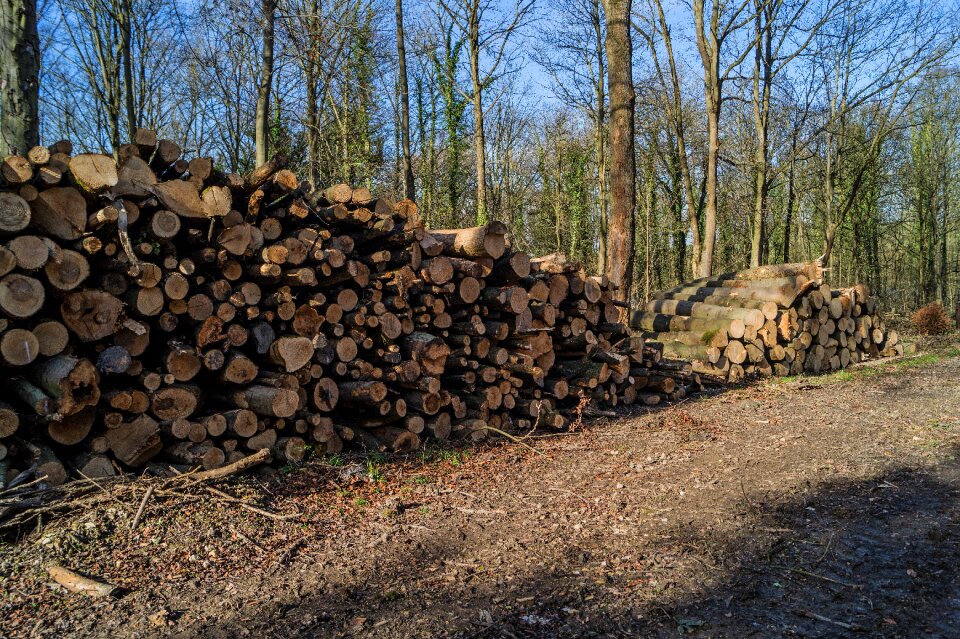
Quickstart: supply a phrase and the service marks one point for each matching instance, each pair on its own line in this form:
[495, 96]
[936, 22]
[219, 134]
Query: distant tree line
[656, 141]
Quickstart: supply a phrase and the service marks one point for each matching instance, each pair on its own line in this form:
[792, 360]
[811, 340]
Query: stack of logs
[157, 309]
[772, 320]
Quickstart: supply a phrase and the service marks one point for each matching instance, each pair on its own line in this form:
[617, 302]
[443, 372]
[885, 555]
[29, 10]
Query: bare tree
[262, 118]
[871, 53]
[656, 31]
[714, 28]
[93, 28]
[578, 78]
[783, 30]
[487, 34]
[620, 246]
[318, 37]
[409, 188]
[20, 76]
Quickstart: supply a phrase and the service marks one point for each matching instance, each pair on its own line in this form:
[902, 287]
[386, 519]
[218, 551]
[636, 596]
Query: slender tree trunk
[479, 139]
[788, 219]
[408, 185]
[945, 191]
[600, 116]
[312, 122]
[762, 79]
[126, 20]
[19, 76]
[649, 203]
[710, 207]
[620, 251]
[262, 121]
[708, 44]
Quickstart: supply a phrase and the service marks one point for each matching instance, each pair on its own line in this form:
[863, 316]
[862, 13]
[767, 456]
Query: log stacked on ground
[157, 309]
[774, 320]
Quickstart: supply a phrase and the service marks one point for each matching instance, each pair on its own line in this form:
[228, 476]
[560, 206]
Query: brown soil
[824, 507]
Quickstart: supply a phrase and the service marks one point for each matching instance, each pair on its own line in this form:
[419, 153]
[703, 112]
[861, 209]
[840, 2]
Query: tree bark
[126, 19]
[708, 44]
[19, 76]
[479, 139]
[409, 189]
[262, 122]
[620, 245]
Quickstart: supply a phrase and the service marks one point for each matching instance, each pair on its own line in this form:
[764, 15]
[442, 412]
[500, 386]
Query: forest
[738, 133]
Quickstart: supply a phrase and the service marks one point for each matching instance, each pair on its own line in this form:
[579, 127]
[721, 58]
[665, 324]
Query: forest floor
[812, 507]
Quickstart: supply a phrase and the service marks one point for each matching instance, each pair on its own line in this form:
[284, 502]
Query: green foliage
[375, 468]
[445, 63]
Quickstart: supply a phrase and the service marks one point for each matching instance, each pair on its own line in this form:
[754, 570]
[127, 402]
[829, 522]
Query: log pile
[155, 308]
[772, 320]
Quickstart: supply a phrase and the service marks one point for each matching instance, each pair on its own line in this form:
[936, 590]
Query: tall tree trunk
[600, 116]
[762, 78]
[944, 234]
[620, 245]
[649, 185]
[710, 206]
[708, 44]
[408, 185]
[312, 123]
[788, 219]
[262, 121]
[126, 20]
[479, 139]
[19, 76]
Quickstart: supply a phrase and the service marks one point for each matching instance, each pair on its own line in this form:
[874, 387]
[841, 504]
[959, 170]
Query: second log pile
[155, 308]
[772, 320]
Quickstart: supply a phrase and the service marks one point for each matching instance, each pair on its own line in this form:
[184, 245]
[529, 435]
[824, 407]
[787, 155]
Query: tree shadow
[878, 557]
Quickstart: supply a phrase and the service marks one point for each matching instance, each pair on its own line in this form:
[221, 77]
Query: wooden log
[267, 401]
[480, 241]
[396, 440]
[91, 315]
[437, 270]
[21, 296]
[715, 338]
[72, 429]
[16, 170]
[94, 466]
[68, 272]
[94, 173]
[15, 213]
[75, 582]
[9, 421]
[781, 294]
[18, 347]
[290, 449]
[429, 351]
[749, 316]
[180, 197]
[70, 382]
[135, 443]
[291, 352]
[513, 299]
[175, 402]
[203, 454]
[8, 261]
[241, 422]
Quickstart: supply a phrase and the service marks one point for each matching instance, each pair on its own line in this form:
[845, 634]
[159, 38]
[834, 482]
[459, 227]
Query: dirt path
[826, 507]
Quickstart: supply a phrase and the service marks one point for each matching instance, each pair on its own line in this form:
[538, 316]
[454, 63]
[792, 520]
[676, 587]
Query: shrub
[931, 320]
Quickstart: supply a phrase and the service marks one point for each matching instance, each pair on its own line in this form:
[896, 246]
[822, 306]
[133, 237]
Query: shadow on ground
[876, 558]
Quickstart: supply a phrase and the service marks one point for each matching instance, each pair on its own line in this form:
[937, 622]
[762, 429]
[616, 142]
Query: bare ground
[815, 507]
